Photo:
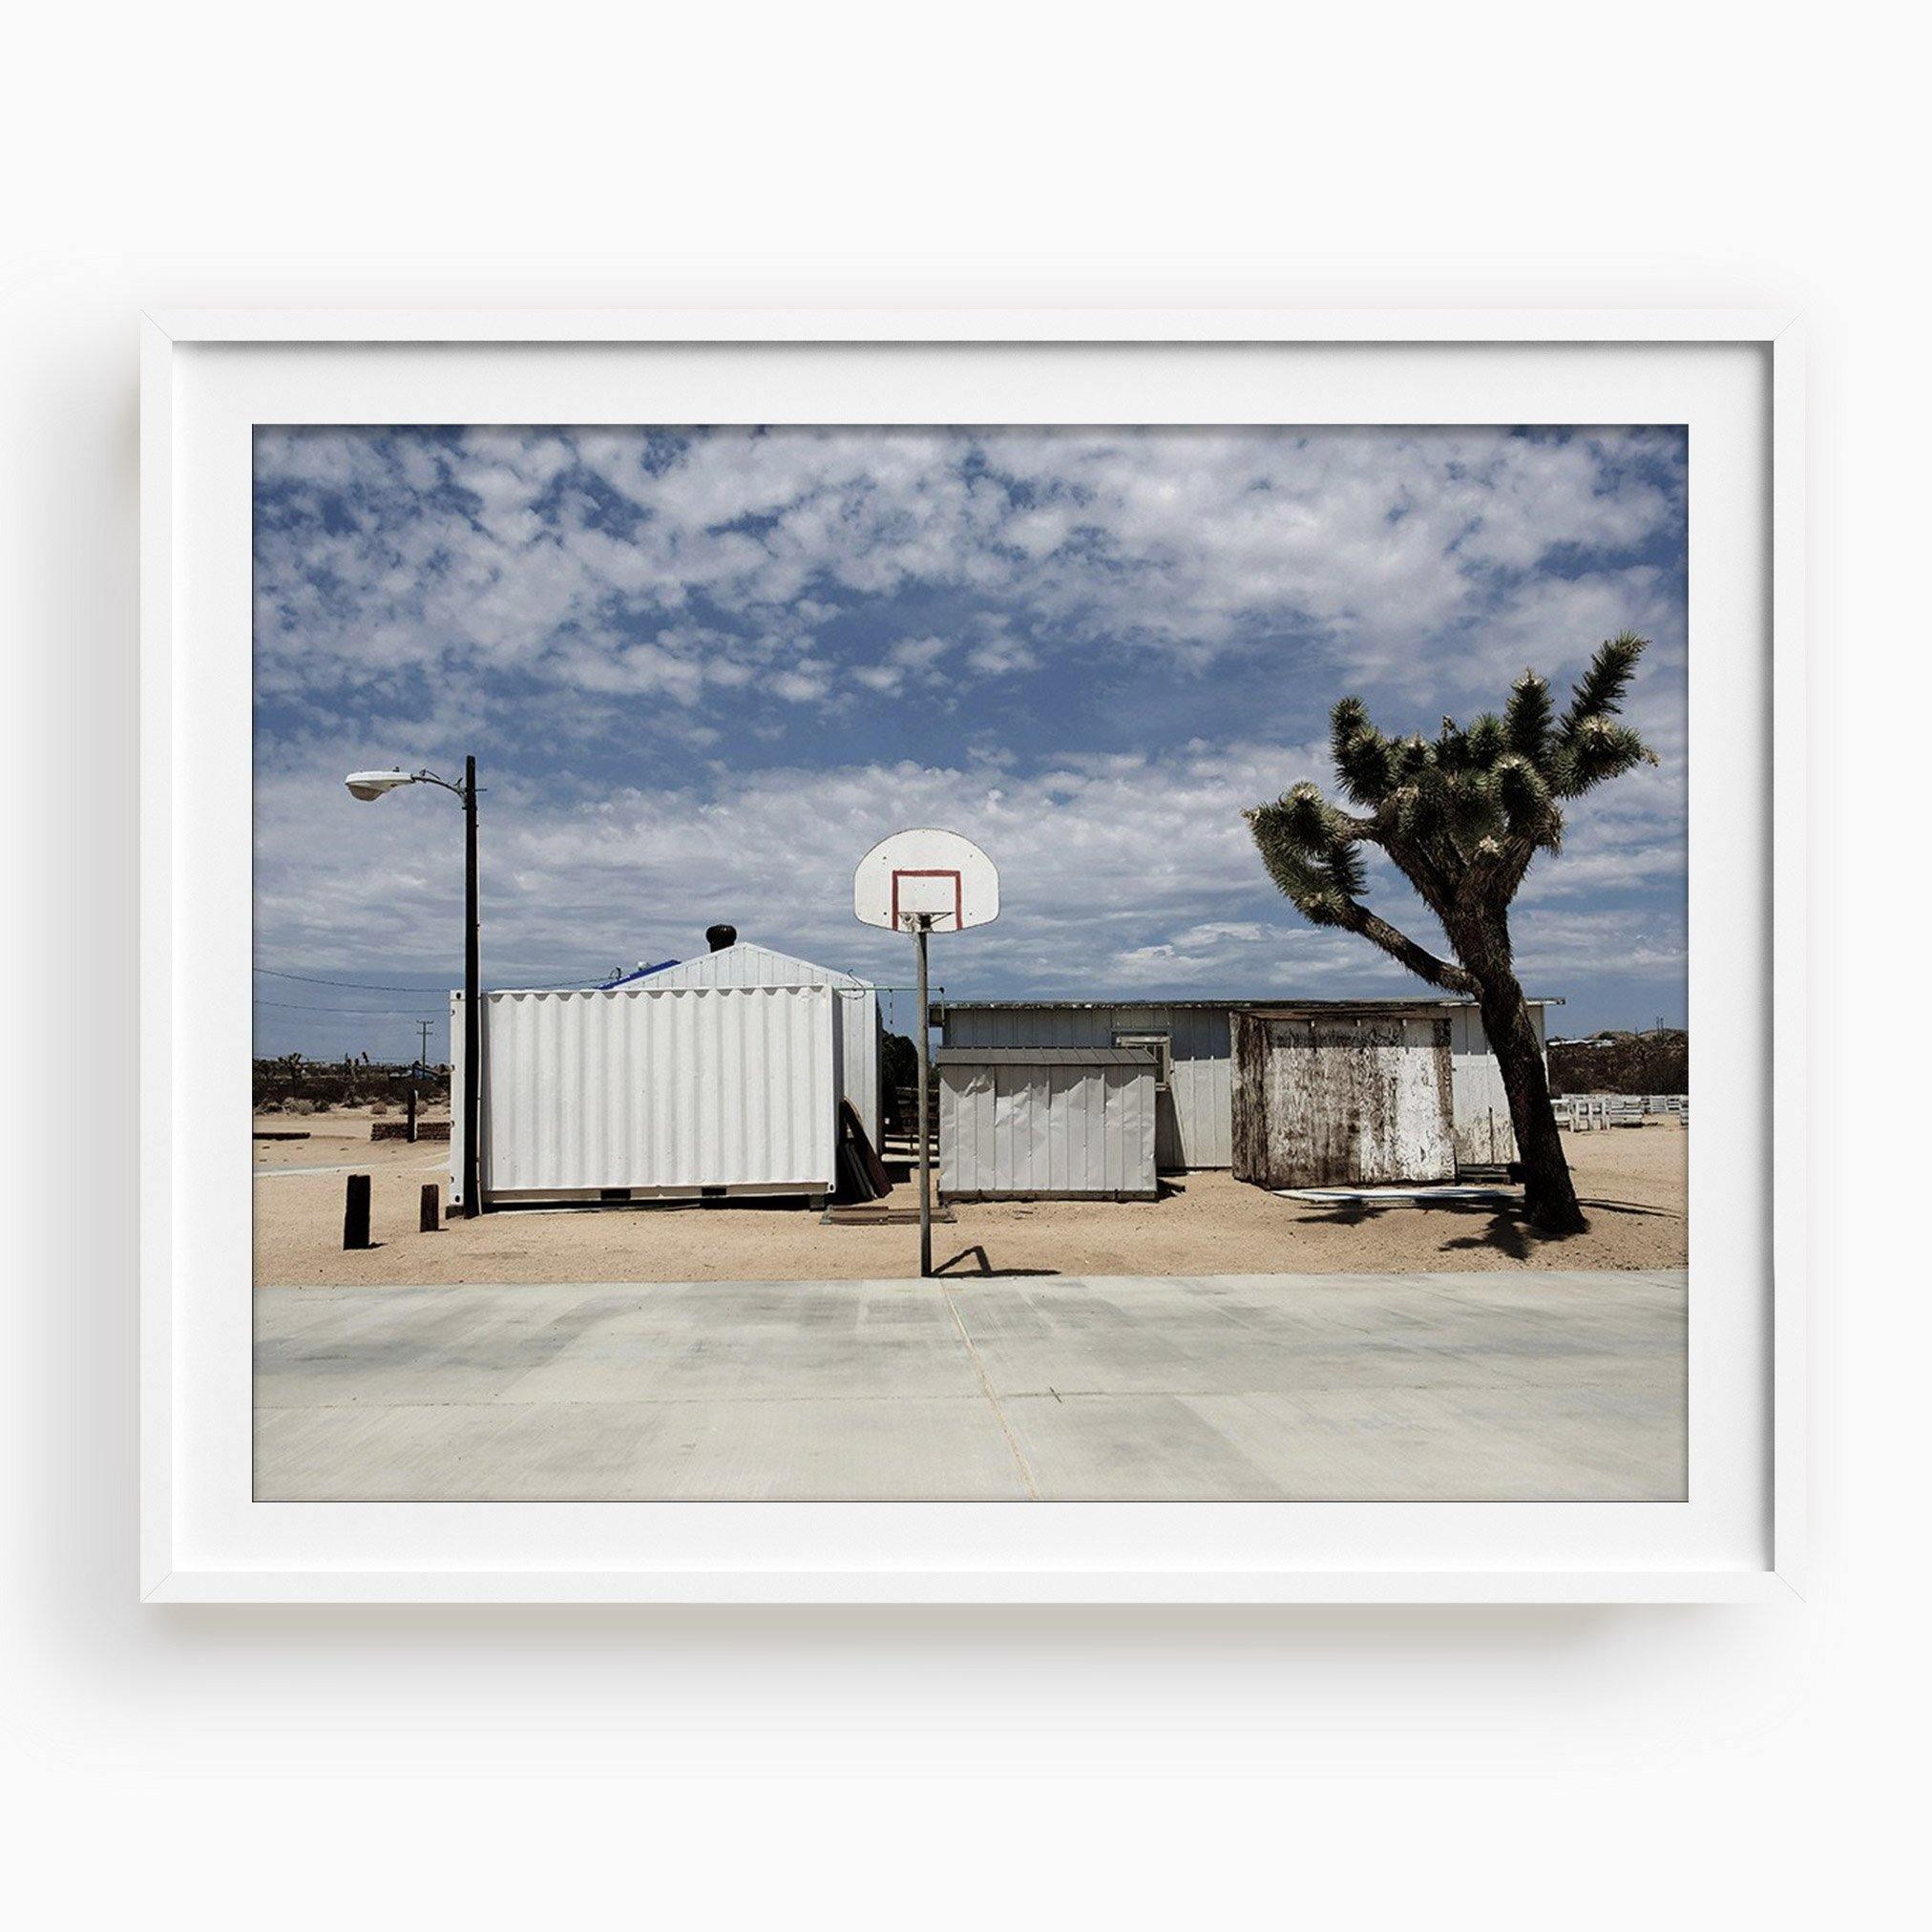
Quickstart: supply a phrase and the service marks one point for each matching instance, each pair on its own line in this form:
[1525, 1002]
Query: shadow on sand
[985, 1271]
[1507, 1232]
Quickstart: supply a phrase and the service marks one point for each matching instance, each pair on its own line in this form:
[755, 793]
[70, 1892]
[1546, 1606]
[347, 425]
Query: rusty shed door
[1340, 1101]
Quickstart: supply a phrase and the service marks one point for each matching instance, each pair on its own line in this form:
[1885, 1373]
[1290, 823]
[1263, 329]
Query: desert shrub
[1657, 1063]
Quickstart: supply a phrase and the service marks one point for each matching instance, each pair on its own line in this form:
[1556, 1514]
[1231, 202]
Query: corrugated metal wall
[657, 1089]
[1342, 1101]
[1196, 1115]
[1193, 1118]
[1075, 1123]
[856, 1019]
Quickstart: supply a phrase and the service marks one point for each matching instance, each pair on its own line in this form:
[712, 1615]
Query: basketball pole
[920, 933]
[946, 878]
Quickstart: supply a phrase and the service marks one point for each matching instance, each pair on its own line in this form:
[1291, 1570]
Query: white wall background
[1578, 1767]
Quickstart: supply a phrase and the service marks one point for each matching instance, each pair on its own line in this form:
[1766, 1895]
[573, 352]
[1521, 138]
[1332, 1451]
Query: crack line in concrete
[986, 1383]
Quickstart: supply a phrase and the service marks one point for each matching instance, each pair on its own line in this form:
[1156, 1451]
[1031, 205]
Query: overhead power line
[351, 985]
[381, 1012]
[582, 980]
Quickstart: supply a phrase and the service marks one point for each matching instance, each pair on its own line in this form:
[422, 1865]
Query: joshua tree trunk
[1550, 1196]
[1482, 943]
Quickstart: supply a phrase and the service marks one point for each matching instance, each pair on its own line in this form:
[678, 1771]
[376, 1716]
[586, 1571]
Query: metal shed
[855, 1010]
[648, 1090]
[1195, 1096]
[1327, 1098]
[1193, 1089]
[1046, 1124]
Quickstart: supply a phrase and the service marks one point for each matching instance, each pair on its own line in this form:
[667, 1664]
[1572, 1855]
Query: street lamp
[373, 784]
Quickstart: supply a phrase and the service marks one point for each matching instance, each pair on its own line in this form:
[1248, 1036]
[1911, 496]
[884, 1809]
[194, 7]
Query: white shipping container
[855, 1017]
[653, 1090]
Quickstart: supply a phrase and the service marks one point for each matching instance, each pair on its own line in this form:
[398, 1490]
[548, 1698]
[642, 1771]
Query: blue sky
[703, 671]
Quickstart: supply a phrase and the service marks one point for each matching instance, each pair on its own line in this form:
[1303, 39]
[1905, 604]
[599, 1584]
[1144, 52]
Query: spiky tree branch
[1588, 746]
[1312, 854]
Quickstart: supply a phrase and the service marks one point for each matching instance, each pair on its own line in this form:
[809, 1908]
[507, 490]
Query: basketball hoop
[931, 880]
[923, 882]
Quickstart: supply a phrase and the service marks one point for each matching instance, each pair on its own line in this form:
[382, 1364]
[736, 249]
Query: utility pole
[472, 1004]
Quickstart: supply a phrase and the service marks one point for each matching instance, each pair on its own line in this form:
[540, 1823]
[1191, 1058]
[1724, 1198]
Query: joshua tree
[1462, 818]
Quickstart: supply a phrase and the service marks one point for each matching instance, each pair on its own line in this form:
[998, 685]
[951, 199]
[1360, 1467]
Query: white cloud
[913, 660]
[516, 590]
[1216, 931]
[1003, 656]
[1393, 549]
[918, 654]
[804, 682]
[1128, 871]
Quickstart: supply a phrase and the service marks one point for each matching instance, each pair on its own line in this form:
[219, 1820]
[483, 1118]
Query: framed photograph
[972, 956]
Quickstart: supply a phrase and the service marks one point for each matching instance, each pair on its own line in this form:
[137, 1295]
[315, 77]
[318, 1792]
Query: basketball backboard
[926, 879]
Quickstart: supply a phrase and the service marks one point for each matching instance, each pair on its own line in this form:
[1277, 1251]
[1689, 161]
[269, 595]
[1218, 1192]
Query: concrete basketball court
[1546, 1386]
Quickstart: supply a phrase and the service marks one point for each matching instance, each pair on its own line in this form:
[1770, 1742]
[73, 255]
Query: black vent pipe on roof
[718, 938]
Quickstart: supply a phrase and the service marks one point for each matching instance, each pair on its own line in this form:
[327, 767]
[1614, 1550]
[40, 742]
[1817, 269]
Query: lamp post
[374, 785]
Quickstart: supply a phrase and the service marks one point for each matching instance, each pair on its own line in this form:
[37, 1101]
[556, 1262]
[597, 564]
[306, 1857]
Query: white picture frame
[1735, 377]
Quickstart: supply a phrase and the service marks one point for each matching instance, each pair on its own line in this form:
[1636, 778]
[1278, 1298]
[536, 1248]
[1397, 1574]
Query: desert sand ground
[1632, 1182]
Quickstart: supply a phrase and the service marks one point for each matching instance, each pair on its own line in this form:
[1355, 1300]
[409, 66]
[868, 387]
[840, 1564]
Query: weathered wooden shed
[1045, 1124]
[1193, 1039]
[1340, 1096]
